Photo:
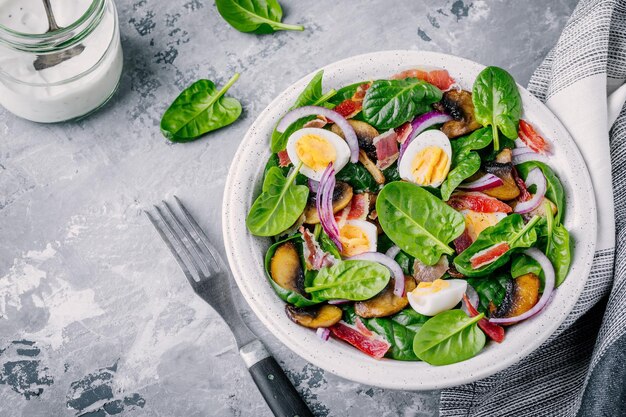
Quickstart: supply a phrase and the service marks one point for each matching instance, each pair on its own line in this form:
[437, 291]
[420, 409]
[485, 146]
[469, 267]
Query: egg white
[342, 150]
[431, 304]
[423, 140]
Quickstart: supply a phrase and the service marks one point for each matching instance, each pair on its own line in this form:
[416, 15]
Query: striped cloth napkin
[581, 369]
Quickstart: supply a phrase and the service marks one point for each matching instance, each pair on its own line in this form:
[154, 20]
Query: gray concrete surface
[95, 317]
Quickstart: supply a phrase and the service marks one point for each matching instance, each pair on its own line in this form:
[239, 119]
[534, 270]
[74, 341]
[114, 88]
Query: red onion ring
[421, 123]
[313, 185]
[485, 182]
[548, 288]
[393, 251]
[519, 144]
[390, 263]
[340, 121]
[472, 296]
[324, 205]
[534, 177]
[323, 333]
[521, 155]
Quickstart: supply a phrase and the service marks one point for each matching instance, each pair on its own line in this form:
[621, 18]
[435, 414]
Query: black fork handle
[280, 395]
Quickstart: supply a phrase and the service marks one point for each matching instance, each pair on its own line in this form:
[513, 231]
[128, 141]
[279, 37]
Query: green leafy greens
[279, 205]
[449, 337]
[497, 102]
[199, 109]
[256, 16]
[418, 222]
[390, 103]
[349, 280]
[511, 230]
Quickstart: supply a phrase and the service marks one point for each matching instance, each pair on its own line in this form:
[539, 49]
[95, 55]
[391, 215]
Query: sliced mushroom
[314, 317]
[378, 175]
[458, 104]
[386, 303]
[342, 194]
[522, 293]
[503, 169]
[286, 268]
[365, 133]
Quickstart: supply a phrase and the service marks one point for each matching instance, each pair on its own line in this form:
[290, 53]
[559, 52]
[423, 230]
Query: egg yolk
[424, 288]
[430, 165]
[315, 152]
[353, 240]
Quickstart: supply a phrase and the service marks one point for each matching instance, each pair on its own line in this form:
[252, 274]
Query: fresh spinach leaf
[392, 173]
[280, 204]
[449, 337]
[311, 95]
[490, 289]
[358, 177]
[256, 16]
[389, 103]
[273, 161]
[399, 330]
[345, 93]
[523, 264]
[559, 252]
[511, 230]
[555, 191]
[328, 245]
[349, 280]
[497, 102]
[292, 297]
[418, 222]
[199, 109]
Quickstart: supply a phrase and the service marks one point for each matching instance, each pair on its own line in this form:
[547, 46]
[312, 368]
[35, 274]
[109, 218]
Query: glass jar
[85, 52]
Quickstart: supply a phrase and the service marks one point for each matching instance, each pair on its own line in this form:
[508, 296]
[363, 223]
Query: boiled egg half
[431, 298]
[316, 148]
[426, 161]
[357, 236]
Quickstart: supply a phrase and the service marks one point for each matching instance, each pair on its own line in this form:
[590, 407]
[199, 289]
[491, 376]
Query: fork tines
[183, 236]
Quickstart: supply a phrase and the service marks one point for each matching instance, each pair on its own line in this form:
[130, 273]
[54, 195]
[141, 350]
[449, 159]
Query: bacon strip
[532, 139]
[477, 201]
[283, 159]
[440, 78]
[494, 331]
[373, 345]
[314, 257]
[387, 151]
[359, 206]
[352, 106]
[403, 132]
[489, 255]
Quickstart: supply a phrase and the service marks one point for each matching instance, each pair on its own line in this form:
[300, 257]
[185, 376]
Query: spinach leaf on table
[349, 280]
[256, 16]
[199, 109]
[497, 102]
[418, 222]
[511, 230]
[390, 103]
[290, 296]
[491, 289]
[449, 337]
[280, 204]
[311, 95]
[555, 191]
[358, 177]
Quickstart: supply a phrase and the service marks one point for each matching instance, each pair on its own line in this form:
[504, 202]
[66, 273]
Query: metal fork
[210, 278]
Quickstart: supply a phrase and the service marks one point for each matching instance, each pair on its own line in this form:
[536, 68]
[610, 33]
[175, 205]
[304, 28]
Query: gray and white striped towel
[581, 369]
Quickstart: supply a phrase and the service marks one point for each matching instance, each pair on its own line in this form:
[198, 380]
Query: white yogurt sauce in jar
[74, 87]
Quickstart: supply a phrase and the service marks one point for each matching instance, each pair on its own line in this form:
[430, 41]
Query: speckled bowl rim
[246, 252]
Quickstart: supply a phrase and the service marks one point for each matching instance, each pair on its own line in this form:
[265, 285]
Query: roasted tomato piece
[489, 255]
[477, 201]
[440, 78]
[532, 139]
[348, 108]
[371, 345]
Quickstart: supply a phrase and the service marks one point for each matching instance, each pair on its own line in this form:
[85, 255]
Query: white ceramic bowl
[246, 252]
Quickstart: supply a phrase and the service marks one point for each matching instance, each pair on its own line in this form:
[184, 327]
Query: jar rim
[48, 41]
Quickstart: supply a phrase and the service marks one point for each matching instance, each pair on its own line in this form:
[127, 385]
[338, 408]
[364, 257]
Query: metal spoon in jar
[50, 60]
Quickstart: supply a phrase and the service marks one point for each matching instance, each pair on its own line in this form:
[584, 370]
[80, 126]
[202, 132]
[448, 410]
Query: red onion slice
[485, 182]
[421, 123]
[313, 185]
[393, 251]
[324, 205]
[472, 296]
[340, 121]
[548, 288]
[323, 333]
[390, 263]
[519, 144]
[535, 177]
[521, 155]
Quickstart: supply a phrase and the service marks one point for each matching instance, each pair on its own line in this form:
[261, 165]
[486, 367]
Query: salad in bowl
[411, 218]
